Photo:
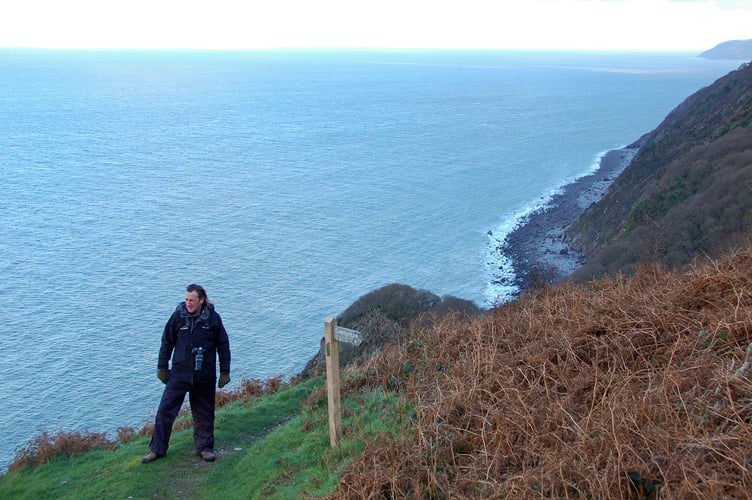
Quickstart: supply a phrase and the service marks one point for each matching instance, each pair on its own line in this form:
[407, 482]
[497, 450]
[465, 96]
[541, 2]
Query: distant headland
[732, 49]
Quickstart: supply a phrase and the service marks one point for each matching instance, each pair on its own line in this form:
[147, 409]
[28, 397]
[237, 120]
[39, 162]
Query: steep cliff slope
[687, 193]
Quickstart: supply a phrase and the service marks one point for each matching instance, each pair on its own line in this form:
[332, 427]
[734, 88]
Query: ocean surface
[287, 183]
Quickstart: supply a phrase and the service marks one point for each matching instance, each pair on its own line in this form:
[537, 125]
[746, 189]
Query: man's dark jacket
[182, 333]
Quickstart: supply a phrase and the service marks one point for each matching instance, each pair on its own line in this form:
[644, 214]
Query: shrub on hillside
[47, 446]
[452, 305]
[248, 389]
[400, 303]
[403, 304]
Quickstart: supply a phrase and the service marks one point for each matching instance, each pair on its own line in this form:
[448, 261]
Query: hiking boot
[150, 457]
[208, 456]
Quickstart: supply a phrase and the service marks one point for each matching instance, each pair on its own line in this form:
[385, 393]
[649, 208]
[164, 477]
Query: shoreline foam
[537, 238]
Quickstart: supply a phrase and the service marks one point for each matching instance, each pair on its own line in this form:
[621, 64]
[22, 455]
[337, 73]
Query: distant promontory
[733, 49]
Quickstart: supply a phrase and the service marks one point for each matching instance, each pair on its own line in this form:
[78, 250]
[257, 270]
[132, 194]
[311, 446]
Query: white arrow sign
[348, 336]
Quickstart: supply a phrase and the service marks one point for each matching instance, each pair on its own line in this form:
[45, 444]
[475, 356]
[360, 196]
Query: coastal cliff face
[686, 194]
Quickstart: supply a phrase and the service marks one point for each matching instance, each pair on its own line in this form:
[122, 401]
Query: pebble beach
[539, 238]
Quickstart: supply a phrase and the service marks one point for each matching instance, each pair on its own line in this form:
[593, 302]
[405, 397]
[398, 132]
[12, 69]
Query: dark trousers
[201, 399]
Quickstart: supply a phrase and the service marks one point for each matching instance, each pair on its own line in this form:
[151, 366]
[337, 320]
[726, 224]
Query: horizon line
[347, 49]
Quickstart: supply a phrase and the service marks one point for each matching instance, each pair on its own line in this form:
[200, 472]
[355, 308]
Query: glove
[163, 375]
[224, 379]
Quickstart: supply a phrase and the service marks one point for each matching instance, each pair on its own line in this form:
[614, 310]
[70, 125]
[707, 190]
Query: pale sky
[670, 25]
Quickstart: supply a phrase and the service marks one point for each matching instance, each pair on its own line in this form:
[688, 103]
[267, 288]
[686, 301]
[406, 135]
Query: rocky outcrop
[383, 317]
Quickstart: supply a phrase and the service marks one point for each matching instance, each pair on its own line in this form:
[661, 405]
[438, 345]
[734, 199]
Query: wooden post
[332, 382]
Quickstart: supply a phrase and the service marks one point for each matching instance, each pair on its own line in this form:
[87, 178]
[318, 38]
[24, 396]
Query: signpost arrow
[348, 336]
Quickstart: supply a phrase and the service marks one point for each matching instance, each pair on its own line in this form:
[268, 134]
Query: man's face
[192, 303]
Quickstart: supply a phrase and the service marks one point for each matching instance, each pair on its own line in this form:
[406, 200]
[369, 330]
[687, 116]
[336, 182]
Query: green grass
[274, 446]
[297, 461]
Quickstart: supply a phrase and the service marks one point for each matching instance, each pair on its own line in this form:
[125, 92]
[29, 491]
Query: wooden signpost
[333, 335]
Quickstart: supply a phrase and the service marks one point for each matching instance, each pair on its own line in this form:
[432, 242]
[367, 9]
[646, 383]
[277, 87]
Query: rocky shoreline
[538, 240]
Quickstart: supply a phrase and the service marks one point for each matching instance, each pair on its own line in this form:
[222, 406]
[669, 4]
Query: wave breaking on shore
[534, 236]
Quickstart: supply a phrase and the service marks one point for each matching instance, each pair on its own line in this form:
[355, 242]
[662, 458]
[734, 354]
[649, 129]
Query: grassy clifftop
[270, 445]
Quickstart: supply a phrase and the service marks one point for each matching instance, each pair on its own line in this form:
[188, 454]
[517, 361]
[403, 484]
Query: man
[194, 336]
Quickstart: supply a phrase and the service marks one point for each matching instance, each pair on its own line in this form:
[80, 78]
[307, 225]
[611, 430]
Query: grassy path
[185, 473]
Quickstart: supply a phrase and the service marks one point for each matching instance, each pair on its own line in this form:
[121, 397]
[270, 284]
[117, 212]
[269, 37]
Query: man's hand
[224, 379]
[163, 375]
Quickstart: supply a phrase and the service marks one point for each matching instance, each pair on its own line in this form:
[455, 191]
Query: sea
[288, 183]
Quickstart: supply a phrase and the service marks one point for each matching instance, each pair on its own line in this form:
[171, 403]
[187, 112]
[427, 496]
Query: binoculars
[199, 353]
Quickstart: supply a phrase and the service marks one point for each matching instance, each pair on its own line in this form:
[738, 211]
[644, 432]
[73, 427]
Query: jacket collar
[203, 316]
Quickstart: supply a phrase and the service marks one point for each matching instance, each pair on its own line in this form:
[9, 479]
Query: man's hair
[199, 291]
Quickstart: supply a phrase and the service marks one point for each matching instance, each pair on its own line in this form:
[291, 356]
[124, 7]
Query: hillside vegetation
[620, 389]
[688, 191]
